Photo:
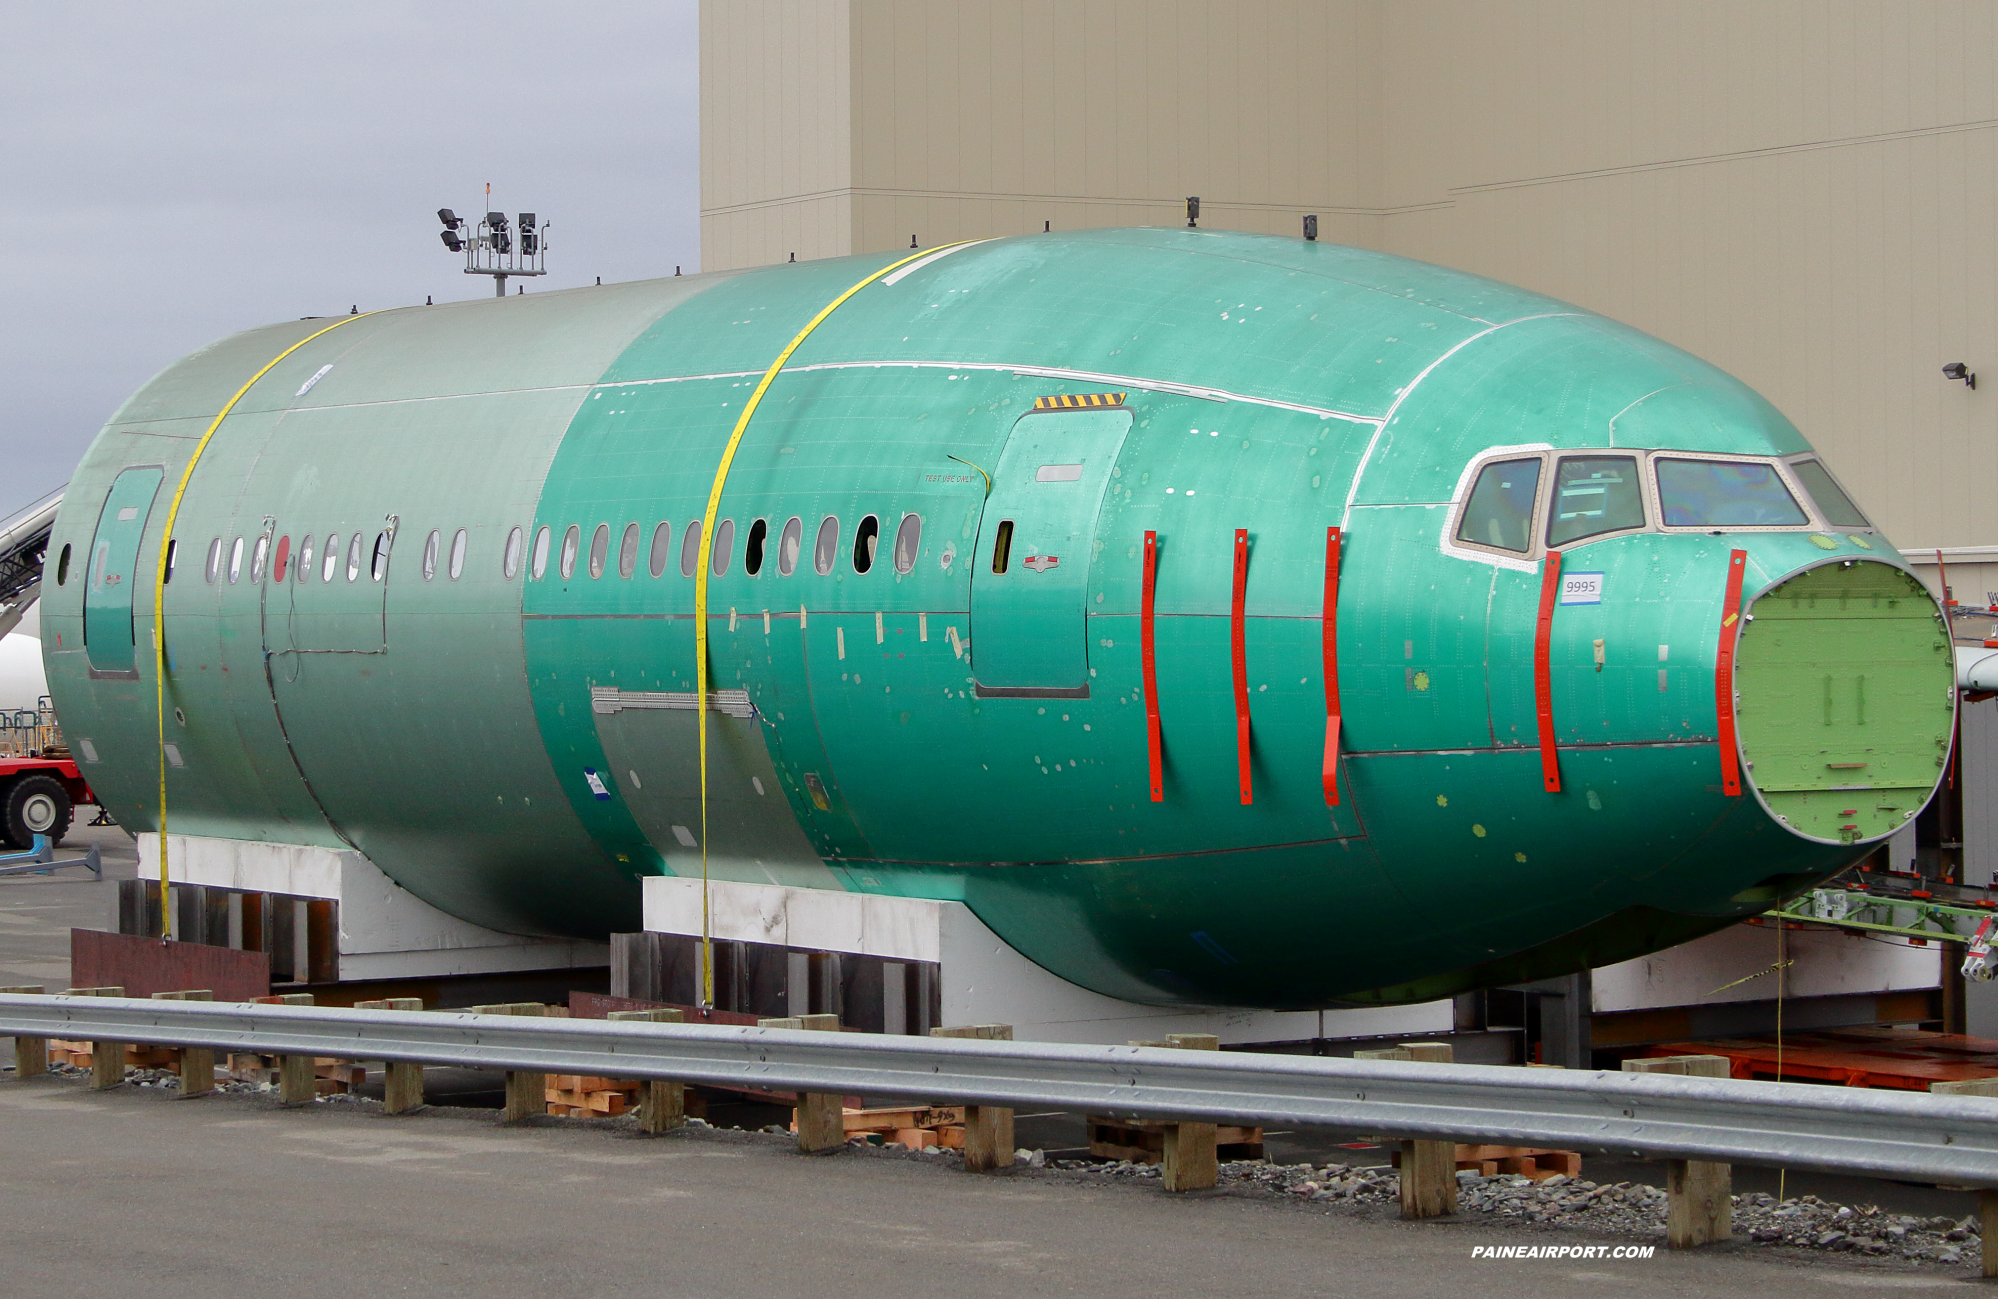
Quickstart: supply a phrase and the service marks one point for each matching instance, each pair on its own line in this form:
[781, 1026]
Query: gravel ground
[1805, 1224]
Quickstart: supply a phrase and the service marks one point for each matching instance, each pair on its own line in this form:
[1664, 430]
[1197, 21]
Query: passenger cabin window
[172, 546]
[788, 546]
[279, 568]
[457, 554]
[305, 554]
[826, 549]
[1832, 502]
[724, 542]
[627, 551]
[752, 548]
[599, 549]
[1594, 495]
[571, 540]
[662, 549]
[214, 563]
[539, 567]
[235, 561]
[510, 557]
[430, 555]
[259, 557]
[690, 548]
[1002, 545]
[908, 542]
[353, 556]
[332, 562]
[380, 568]
[1725, 494]
[1500, 511]
[865, 538]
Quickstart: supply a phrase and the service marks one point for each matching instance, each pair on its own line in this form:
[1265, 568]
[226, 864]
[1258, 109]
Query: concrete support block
[107, 1059]
[988, 1129]
[662, 1104]
[821, 1119]
[1428, 1179]
[197, 1063]
[31, 1054]
[1699, 1195]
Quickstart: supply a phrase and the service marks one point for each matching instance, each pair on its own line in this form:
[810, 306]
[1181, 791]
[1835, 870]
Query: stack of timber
[919, 1127]
[81, 1056]
[1521, 1161]
[1144, 1143]
[1899, 1058]
[583, 1096]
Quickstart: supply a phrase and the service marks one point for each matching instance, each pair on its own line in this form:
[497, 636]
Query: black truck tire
[32, 805]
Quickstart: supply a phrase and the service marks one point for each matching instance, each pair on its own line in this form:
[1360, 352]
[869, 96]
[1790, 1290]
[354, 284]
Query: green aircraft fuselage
[433, 599]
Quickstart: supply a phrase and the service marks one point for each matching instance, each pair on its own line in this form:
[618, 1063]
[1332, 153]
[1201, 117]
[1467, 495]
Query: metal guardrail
[1941, 1138]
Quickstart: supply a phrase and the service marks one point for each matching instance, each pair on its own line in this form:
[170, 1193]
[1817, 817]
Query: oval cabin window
[353, 557]
[571, 541]
[457, 554]
[908, 542]
[510, 557]
[752, 548]
[788, 545]
[826, 549]
[599, 549]
[662, 549]
[690, 548]
[539, 567]
[430, 555]
[627, 551]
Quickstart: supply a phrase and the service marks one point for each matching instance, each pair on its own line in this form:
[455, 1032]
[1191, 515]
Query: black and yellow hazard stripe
[1079, 401]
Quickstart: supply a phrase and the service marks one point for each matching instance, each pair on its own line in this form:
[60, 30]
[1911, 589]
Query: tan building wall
[1803, 191]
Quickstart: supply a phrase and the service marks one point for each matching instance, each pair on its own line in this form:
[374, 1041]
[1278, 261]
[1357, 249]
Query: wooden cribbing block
[402, 1080]
[31, 1054]
[526, 1090]
[197, 1063]
[297, 1084]
[819, 1120]
[1699, 1199]
[988, 1129]
[107, 1059]
[1190, 1162]
[1428, 1168]
[662, 1104]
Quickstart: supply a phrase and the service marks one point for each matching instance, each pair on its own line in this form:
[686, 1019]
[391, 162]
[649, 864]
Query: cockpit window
[1594, 495]
[1725, 494]
[1832, 502]
[1500, 511]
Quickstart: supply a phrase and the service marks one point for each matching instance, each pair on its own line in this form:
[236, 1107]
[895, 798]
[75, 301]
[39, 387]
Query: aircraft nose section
[1845, 699]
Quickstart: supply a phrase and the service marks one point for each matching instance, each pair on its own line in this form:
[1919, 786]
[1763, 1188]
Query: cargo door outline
[110, 638]
[318, 620]
[1029, 619]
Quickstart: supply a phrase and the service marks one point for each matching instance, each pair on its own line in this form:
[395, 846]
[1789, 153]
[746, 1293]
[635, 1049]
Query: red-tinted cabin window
[283, 557]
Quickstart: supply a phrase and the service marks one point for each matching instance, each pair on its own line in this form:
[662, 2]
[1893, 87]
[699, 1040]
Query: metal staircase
[24, 545]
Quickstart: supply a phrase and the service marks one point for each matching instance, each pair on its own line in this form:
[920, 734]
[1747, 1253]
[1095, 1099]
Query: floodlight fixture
[451, 240]
[1959, 372]
[1192, 212]
[450, 219]
[497, 220]
[1311, 228]
[489, 245]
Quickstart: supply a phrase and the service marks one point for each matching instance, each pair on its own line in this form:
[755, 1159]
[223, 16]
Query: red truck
[37, 796]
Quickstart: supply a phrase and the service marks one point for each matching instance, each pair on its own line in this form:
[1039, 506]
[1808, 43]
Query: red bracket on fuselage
[1543, 683]
[1238, 640]
[1328, 631]
[1737, 564]
[1145, 641]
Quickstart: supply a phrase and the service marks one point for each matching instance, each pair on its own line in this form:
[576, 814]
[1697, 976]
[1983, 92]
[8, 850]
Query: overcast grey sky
[173, 173]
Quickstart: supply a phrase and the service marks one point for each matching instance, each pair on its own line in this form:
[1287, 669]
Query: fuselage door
[108, 635]
[1030, 573]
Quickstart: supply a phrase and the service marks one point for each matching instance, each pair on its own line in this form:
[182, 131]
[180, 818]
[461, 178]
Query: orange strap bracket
[1328, 623]
[1238, 640]
[1146, 642]
[1737, 564]
[1543, 677]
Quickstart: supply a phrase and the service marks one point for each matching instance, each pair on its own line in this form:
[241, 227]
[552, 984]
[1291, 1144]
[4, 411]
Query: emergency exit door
[109, 640]
[1030, 573]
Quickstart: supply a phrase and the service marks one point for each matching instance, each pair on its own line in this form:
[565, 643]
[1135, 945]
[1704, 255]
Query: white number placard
[1581, 588]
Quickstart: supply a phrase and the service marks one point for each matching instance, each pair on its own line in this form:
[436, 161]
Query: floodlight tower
[491, 248]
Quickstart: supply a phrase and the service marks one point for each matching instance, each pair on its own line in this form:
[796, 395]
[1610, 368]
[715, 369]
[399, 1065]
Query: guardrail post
[526, 1090]
[402, 1080]
[1428, 1168]
[296, 1085]
[662, 1103]
[821, 1120]
[1987, 1199]
[988, 1129]
[197, 1063]
[107, 1059]
[1190, 1162]
[1699, 1199]
[31, 1054]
